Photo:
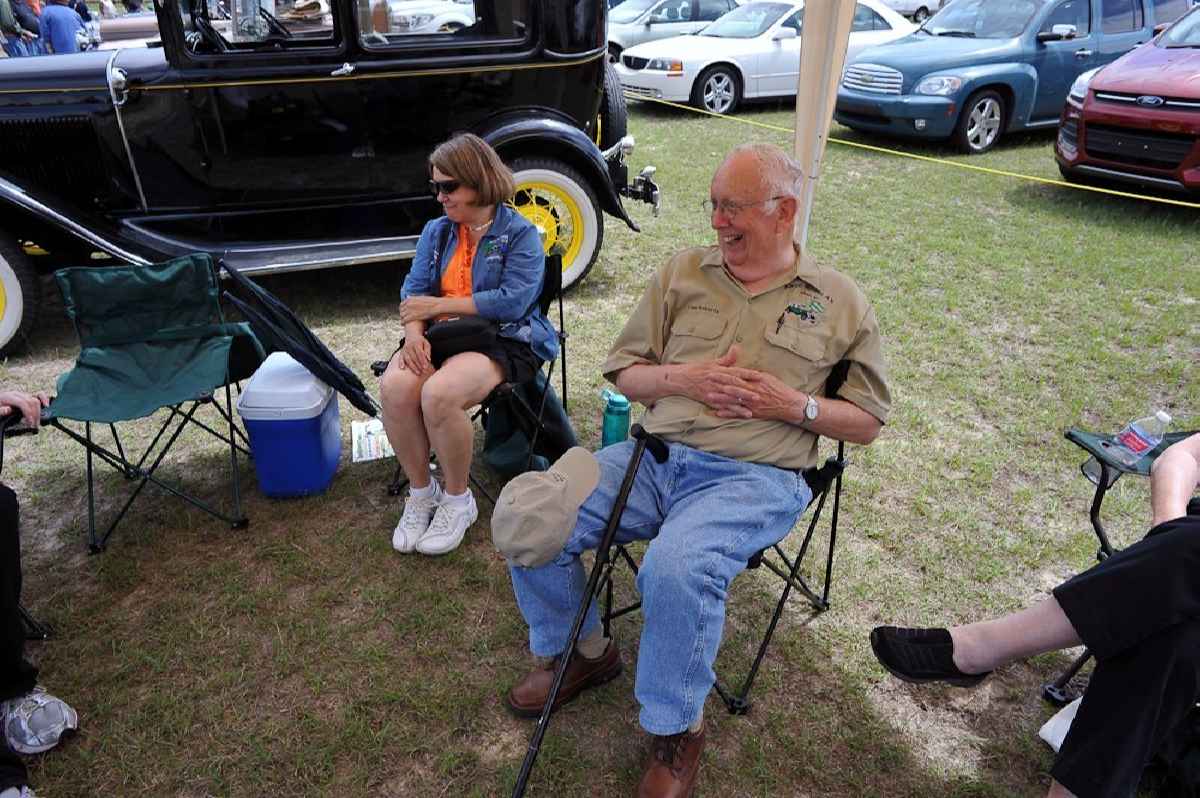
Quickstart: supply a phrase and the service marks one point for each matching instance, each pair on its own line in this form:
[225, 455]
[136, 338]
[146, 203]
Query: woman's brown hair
[471, 160]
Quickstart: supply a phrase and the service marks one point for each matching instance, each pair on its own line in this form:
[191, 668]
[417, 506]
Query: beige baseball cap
[536, 510]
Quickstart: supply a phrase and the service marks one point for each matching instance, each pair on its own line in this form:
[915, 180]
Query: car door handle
[348, 69]
[1078, 54]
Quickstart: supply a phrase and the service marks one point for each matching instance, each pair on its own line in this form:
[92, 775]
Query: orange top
[456, 280]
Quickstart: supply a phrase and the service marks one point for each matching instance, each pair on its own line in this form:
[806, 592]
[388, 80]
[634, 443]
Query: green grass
[303, 657]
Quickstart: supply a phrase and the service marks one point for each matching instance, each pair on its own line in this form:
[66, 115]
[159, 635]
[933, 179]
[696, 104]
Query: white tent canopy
[826, 33]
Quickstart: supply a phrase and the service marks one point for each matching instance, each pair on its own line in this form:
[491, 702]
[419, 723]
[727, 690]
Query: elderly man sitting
[728, 349]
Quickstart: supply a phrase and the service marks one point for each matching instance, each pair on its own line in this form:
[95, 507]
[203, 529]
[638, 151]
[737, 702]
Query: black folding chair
[821, 480]
[10, 427]
[1102, 469]
[530, 420]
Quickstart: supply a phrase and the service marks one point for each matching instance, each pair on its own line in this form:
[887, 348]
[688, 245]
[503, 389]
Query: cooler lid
[283, 389]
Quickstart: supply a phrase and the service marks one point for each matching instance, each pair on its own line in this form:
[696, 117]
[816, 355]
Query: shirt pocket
[797, 356]
[695, 338]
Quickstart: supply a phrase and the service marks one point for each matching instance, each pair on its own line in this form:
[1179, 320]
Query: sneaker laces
[444, 515]
[417, 511]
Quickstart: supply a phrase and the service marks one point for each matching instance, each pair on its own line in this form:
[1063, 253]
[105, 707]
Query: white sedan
[753, 51]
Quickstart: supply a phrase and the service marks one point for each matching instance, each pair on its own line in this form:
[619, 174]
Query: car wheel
[614, 122]
[614, 53]
[920, 15]
[564, 209]
[20, 297]
[718, 89]
[980, 123]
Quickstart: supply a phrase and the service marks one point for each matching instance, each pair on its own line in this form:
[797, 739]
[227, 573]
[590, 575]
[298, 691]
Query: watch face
[810, 409]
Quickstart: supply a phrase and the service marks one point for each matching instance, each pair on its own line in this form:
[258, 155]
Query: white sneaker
[448, 527]
[18, 792]
[36, 721]
[414, 521]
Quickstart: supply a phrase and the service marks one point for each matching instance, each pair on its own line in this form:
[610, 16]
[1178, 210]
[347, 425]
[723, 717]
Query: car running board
[322, 255]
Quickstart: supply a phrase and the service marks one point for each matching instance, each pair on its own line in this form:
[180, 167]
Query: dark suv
[286, 135]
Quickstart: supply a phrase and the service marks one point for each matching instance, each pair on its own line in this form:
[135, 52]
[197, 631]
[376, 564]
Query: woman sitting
[481, 259]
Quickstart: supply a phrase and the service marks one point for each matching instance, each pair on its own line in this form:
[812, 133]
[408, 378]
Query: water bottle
[1139, 437]
[614, 423]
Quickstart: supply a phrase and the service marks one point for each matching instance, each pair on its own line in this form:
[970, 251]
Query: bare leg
[462, 382]
[1058, 791]
[400, 392]
[983, 646]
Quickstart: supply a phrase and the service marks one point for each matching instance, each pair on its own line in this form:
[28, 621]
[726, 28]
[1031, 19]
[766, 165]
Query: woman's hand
[415, 355]
[29, 405]
[420, 308]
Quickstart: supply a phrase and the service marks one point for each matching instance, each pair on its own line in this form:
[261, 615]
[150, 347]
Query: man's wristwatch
[811, 409]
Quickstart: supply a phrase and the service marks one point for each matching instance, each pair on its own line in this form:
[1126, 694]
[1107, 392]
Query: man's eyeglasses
[730, 208]
[446, 187]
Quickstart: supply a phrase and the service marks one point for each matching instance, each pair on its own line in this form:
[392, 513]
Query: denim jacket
[506, 276]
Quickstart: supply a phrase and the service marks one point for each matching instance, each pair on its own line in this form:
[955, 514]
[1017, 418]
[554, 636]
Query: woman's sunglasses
[446, 187]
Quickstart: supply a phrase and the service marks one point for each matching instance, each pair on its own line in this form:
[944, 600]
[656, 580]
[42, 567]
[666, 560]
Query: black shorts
[515, 358]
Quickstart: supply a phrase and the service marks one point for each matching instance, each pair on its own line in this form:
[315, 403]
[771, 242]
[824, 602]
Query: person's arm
[8, 20]
[1173, 478]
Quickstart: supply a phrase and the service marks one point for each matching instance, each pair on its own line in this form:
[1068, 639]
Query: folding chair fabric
[150, 337]
[281, 330]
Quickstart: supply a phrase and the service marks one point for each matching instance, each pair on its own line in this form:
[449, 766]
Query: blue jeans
[706, 515]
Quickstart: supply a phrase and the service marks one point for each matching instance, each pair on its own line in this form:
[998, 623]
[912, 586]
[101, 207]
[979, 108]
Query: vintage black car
[286, 135]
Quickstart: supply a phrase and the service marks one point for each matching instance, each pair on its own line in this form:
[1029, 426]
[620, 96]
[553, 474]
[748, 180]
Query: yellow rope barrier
[940, 161]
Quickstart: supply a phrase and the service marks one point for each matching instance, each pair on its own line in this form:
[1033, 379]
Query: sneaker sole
[595, 680]
[953, 681]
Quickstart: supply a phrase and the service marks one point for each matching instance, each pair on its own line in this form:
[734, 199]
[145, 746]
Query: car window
[422, 23]
[1185, 33]
[866, 19]
[256, 25]
[629, 10]
[984, 19]
[795, 21]
[748, 21]
[1169, 10]
[1071, 12]
[1121, 16]
[672, 11]
[711, 9]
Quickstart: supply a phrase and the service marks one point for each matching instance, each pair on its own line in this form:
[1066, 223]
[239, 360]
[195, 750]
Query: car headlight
[413, 20]
[941, 85]
[1080, 86]
[665, 65]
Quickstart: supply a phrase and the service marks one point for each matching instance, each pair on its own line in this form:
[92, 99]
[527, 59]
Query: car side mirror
[783, 34]
[1160, 27]
[1057, 33]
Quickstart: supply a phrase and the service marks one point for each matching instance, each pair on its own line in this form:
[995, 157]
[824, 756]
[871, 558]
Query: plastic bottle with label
[1139, 437]
[614, 423]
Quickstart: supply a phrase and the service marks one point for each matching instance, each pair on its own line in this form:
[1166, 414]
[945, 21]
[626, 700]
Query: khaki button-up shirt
[797, 329]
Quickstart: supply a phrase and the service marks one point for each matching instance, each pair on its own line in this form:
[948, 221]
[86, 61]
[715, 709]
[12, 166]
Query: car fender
[41, 219]
[517, 133]
[1016, 80]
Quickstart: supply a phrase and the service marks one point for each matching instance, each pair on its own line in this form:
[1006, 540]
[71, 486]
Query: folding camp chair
[1102, 469]
[820, 480]
[530, 420]
[151, 337]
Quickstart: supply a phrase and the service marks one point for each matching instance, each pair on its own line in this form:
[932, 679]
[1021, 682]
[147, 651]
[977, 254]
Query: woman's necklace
[478, 228]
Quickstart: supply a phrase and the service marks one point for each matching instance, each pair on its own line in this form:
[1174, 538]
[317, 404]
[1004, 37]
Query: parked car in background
[299, 140]
[751, 52]
[1137, 120]
[981, 68]
[636, 21]
[428, 16]
[917, 10]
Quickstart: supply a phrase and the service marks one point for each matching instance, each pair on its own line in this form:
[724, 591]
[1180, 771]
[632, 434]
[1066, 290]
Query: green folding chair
[151, 338]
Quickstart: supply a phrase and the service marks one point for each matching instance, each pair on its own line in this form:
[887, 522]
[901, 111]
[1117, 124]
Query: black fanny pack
[454, 336]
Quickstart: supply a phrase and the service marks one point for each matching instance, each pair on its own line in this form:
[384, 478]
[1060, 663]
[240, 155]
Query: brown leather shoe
[672, 765]
[527, 697]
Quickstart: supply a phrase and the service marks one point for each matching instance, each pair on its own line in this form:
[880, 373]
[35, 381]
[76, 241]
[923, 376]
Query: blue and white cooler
[292, 419]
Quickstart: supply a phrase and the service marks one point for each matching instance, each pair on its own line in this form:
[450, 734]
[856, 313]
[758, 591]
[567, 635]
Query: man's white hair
[781, 173]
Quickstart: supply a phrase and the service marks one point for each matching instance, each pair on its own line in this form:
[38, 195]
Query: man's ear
[787, 212]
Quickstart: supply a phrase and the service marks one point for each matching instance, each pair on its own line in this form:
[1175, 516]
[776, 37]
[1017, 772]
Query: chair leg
[240, 520]
[1058, 692]
[93, 546]
[396, 486]
[34, 629]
